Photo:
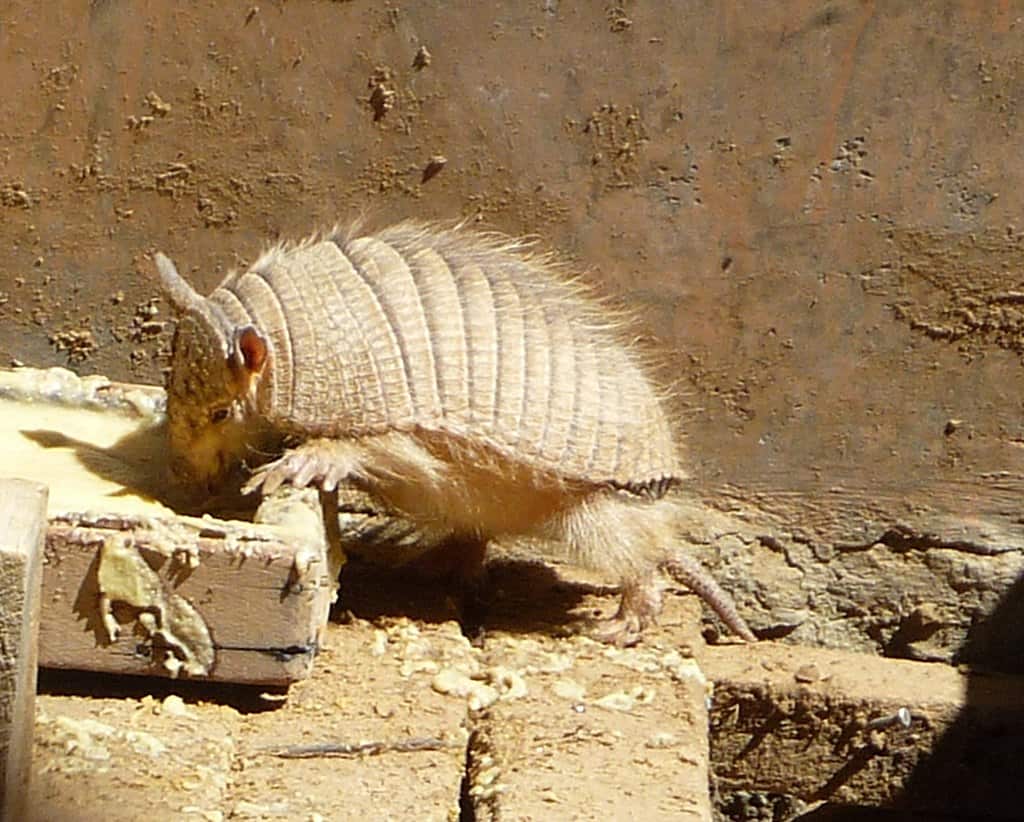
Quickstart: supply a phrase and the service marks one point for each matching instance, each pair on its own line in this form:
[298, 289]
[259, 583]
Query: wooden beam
[22, 528]
[208, 599]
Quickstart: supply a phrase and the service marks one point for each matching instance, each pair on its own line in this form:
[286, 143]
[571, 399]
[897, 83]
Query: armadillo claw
[266, 479]
[297, 468]
[620, 631]
[320, 463]
[308, 468]
[639, 607]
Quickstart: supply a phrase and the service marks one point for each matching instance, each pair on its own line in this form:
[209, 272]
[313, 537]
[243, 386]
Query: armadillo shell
[454, 332]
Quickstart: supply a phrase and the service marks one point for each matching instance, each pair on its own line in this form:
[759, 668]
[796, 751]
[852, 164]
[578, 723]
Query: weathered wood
[22, 528]
[854, 729]
[121, 759]
[261, 597]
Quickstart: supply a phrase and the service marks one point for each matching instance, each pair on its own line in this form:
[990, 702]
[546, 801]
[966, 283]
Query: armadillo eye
[219, 414]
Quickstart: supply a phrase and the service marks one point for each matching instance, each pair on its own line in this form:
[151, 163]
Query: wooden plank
[853, 729]
[22, 527]
[267, 758]
[208, 599]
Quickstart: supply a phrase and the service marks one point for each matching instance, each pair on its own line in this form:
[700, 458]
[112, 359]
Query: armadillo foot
[639, 607]
[324, 463]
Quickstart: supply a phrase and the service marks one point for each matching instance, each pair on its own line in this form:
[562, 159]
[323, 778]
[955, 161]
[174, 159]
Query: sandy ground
[534, 722]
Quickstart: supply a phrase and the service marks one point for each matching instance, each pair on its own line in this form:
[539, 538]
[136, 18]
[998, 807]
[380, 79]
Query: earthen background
[814, 208]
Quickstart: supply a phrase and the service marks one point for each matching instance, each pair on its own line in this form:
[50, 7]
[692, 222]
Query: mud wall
[815, 207]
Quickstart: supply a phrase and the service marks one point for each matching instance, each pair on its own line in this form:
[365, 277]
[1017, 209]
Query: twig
[413, 745]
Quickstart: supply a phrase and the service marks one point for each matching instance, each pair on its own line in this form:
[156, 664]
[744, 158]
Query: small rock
[422, 58]
[509, 684]
[249, 810]
[452, 682]
[173, 705]
[626, 700]
[661, 740]
[433, 167]
[157, 105]
[380, 643]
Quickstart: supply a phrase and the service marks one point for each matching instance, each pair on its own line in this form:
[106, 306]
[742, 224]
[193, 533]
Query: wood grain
[22, 527]
[121, 564]
[262, 593]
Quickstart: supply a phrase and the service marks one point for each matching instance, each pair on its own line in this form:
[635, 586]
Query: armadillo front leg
[385, 458]
[321, 462]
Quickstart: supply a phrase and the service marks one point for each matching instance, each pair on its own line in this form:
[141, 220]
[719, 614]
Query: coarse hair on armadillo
[599, 309]
[468, 382]
[472, 334]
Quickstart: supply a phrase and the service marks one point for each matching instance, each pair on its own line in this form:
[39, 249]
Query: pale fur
[606, 530]
[450, 481]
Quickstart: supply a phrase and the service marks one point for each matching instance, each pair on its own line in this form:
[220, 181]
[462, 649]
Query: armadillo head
[211, 389]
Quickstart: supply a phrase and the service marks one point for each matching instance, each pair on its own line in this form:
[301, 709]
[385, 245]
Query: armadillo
[467, 382]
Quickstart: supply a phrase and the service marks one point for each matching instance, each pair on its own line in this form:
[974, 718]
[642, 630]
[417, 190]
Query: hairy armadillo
[468, 383]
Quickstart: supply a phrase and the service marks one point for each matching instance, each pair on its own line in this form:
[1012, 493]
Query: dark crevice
[902, 538]
[467, 810]
[286, 654]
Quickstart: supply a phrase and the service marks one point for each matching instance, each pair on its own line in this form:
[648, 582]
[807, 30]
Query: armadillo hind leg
[633, 538]
[462, 557]
[639, 606]
[621, 537]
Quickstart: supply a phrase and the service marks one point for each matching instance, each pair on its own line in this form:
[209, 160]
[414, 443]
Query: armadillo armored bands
[471, 385]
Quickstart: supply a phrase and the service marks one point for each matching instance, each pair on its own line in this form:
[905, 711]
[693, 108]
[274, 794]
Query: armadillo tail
[691, 573]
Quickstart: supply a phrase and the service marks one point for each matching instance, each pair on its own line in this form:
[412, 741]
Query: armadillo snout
[185, 471]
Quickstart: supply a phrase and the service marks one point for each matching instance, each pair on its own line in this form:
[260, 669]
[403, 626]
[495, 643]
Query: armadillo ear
[176, 289]
[250, 350]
